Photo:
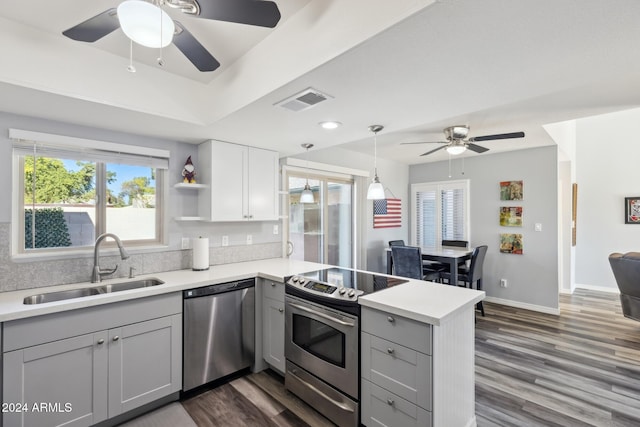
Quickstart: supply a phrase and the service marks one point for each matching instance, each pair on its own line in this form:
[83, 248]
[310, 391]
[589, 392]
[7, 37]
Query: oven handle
[324, 316]
[340, 405]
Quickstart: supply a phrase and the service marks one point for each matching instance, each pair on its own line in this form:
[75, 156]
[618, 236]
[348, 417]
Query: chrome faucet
[97, 274]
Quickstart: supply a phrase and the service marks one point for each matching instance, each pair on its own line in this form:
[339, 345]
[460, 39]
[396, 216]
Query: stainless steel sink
[85, 292]
[125, 286]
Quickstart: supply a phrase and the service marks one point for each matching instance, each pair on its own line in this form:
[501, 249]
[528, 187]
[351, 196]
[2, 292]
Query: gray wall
[37, 273]
[607, 172]
[532, 277]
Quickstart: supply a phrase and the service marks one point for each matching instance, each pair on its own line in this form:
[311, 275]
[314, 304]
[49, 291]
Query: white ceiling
[414, 66]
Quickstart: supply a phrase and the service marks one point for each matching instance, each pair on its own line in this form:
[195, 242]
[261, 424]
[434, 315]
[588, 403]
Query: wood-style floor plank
[580, 368]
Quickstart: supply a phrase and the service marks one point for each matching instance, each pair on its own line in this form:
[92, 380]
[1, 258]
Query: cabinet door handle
[273, 284]
[280, 310]
[391, 319]
[390, 350]
[390, 402]
[100, 341]
[116, 338]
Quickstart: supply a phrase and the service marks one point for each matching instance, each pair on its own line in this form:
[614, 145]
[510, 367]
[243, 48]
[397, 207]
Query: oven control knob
[294, 279]
[351, 293]
[302, 280]
[342, 290]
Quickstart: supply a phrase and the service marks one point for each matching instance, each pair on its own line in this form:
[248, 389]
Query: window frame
[438, 187]
[128, 152]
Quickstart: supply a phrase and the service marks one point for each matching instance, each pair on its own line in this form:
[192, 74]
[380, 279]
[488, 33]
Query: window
[68, 192]
[441, 212]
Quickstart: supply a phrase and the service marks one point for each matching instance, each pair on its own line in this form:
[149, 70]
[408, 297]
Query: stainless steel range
[322, 338]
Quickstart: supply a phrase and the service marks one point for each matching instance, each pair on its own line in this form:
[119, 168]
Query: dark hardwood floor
[581, 368]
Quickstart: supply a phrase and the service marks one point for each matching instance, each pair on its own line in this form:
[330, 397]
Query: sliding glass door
[321, 231]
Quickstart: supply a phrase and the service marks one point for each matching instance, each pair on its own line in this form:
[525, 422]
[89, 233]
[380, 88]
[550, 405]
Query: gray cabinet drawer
[401, 370]
[398, 329]
[273, 290]
[380, 408]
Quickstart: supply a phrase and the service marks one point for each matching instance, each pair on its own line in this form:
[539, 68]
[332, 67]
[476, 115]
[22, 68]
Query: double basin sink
[85, 292]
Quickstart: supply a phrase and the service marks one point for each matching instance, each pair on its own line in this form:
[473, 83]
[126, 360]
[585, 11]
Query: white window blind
[441, 212]
[28, 143]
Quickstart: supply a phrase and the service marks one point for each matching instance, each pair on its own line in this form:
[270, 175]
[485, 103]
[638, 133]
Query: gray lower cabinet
[396, 370]
[273, 324]
[83, 379]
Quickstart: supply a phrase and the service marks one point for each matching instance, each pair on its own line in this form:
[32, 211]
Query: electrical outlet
[503, 283]
[185, 243]
[275, 229]
[249, 239]
[225, 240]
[538, 227]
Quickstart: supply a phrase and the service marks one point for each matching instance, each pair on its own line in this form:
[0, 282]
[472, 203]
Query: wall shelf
[189, 218]
[182, 185]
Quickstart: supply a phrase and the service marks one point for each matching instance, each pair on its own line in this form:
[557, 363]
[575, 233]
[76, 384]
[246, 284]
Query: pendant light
[307, 195]
[376, 190]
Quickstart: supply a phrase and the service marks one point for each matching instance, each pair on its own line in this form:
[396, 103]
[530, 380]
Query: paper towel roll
[200, 253]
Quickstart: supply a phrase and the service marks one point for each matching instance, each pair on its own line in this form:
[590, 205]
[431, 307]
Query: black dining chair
[471, 275]
[407, 262]
[456, 243]
[396, 243]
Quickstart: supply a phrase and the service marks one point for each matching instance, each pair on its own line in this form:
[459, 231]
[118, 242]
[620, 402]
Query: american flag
[387, 213]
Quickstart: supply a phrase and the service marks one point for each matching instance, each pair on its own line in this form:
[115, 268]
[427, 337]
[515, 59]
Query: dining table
[449, 255]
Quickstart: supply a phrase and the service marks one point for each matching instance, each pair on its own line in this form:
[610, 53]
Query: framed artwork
[632, 210]
[511, 216]
[511, 243]
[511, 190]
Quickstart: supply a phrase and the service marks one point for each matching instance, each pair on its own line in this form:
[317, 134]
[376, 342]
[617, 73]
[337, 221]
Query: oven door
[324, 342]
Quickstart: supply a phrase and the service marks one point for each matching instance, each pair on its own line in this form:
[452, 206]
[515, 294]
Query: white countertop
[425, 302]
[11, 306]
[422, 301]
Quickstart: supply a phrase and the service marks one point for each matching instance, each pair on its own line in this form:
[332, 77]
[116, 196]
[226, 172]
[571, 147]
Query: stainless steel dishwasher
[219, 331]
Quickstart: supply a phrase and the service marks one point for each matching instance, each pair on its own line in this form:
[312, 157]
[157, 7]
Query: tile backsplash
[26, 275]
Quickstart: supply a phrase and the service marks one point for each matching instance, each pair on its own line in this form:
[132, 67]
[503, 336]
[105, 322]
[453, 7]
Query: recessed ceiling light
[330, 125]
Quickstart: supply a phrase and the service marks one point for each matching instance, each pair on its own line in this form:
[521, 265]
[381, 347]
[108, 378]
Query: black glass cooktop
[350, 279]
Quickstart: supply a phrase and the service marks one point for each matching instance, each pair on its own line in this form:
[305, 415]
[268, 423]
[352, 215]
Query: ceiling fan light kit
[376, 189]
[145, 23]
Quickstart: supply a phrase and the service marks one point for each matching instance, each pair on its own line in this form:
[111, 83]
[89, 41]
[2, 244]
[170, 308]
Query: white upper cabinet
[243, 182]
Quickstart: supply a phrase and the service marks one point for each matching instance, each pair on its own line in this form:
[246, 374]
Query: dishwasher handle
[219, 288]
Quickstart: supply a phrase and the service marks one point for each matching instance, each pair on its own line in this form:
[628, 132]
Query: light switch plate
[249, 239]
[538, 227]
[275, 229]
[185, 243]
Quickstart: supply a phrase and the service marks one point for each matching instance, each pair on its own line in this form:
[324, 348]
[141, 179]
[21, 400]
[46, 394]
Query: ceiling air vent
[303, 100]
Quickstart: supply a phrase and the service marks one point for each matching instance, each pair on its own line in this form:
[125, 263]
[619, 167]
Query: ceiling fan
[250, 12]
[457, 144]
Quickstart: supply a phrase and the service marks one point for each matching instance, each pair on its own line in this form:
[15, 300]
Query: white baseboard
[526, 306]
[598, 288]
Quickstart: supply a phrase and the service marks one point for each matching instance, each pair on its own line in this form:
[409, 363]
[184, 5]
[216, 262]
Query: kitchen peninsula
[434, 337]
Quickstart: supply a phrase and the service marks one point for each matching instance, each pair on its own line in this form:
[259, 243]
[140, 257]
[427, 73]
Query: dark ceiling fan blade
[250, 12]
[497, 136]
[193, 50]
[476, 148]
[425, 142]
[433, 151]
[95, 28]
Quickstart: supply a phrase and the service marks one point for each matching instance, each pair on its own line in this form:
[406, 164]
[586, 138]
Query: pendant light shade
[376, 190]
[307, 195]
[145, 23]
